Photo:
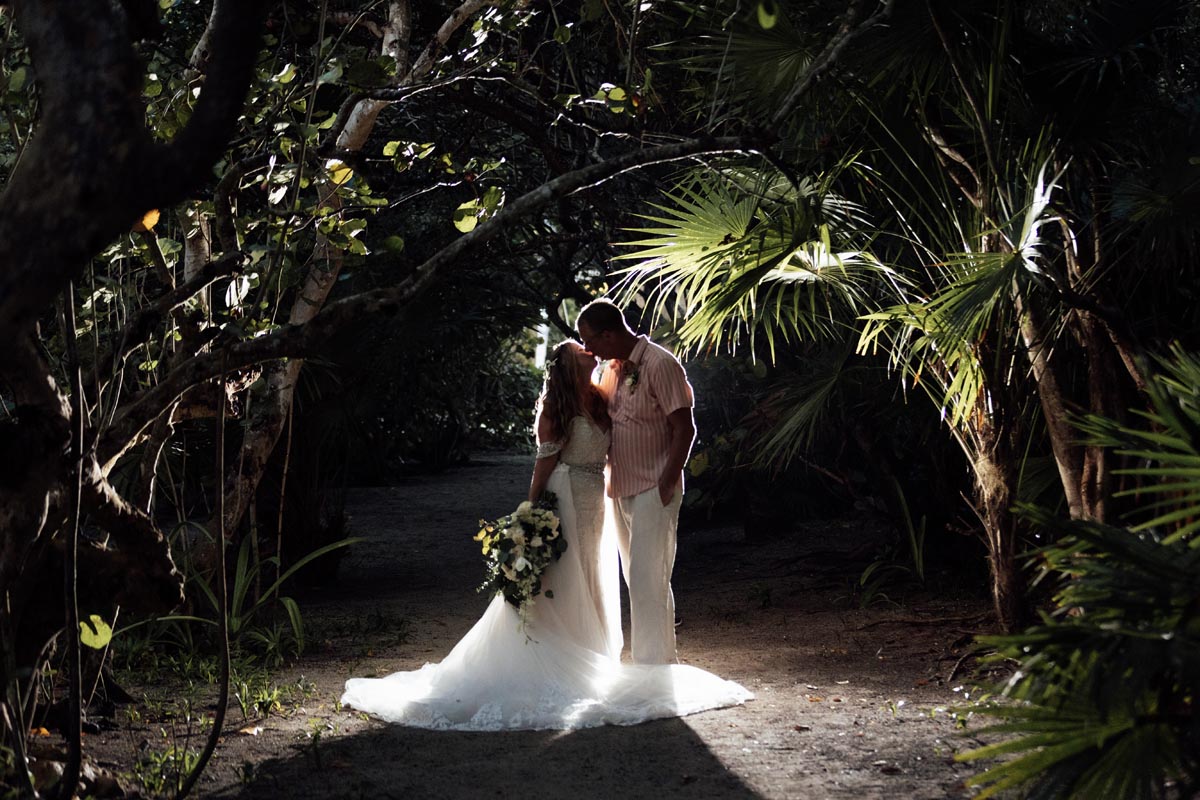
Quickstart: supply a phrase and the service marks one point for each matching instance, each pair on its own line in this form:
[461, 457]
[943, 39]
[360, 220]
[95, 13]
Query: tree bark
[90, 169]
[1096, 480]
[270, 415]
[1068, 456]
[995, 485]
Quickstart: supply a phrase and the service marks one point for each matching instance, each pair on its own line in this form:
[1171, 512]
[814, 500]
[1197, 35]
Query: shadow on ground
[664, 758]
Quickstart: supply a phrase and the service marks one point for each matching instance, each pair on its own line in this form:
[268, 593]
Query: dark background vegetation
[935, 262]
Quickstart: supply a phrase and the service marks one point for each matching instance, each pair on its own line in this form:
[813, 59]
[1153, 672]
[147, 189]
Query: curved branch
[91, 168]
[226, 231]
[981, 120]
[534, 130]
[233, 33]
[424, 62]
[136, 331]
[141, 549]
[296, 340]
[90, 132]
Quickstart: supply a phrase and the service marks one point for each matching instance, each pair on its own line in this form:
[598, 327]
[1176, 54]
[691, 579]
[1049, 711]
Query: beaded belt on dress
[591, 469]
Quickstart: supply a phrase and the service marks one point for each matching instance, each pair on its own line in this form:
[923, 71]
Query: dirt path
[849, 703]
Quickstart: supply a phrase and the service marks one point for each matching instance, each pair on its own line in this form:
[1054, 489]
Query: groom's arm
[683, 432]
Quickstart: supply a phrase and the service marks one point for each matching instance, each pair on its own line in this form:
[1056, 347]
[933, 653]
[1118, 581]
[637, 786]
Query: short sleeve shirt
[642, 392]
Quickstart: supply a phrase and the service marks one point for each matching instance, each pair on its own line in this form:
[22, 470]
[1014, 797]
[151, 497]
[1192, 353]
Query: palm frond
[746, 68]
[1169, 450]
[940, 338]
[1103, 704]
[799, 405]
[737, 255]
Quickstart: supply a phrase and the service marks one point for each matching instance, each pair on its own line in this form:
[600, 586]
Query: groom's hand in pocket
[666, 490]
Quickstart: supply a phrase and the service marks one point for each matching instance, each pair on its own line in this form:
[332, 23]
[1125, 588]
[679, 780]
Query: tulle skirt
[560, 668]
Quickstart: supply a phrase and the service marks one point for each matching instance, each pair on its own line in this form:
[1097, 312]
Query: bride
[562, 669]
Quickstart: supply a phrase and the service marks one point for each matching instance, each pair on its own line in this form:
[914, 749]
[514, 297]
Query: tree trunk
[87, 173]
[1067, 455]
[265, 428]
[1103, 389]
[266, 424]
[995, 485]
[1102, 347]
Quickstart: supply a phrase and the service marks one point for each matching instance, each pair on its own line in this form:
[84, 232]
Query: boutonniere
[631, 375]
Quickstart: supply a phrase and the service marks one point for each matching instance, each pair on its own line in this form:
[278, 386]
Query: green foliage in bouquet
[518, 547]
[1104, 702]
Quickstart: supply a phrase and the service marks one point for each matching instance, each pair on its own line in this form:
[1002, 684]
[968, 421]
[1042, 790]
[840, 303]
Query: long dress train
[562, 669]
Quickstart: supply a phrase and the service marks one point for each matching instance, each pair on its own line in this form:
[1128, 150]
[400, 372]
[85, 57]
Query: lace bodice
[587, 443]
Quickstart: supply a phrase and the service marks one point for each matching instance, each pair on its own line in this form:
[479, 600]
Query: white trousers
[646, 538]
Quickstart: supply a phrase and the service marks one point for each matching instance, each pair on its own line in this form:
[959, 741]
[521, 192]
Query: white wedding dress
[562, 670]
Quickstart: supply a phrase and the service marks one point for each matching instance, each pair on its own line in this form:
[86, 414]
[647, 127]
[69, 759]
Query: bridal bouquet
[518, 548]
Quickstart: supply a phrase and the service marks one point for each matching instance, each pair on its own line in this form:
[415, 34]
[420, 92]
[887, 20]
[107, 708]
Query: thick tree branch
[33, 449]
[296, 340]
[424, 63]
[234, 35]
[89, 133]
[141, 549]
[91, 168]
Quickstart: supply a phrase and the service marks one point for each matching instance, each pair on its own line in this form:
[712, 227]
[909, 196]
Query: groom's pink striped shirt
[642, 391]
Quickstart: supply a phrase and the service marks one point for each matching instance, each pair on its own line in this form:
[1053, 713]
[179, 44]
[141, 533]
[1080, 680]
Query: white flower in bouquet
[518, 548]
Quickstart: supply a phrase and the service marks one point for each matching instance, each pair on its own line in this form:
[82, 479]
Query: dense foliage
[333, 254]
[1104, 701]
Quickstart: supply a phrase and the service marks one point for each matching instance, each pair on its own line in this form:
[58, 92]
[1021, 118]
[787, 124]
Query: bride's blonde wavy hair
[567, 394]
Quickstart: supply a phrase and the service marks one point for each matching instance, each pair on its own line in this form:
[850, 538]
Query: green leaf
[16, 80]
[562, 34]
[296, 620]
[331, 75]
[618, 100]
[354, 226]
[768, 14]
[339, 172]
[492, 200]
[285, 75]
[466, 216]
[393, 244]
[95, 632]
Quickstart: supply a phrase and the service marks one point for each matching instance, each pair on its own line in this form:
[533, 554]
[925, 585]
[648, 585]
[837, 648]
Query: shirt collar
[635, 354]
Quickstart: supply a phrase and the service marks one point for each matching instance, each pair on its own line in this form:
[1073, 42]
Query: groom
[650, 401]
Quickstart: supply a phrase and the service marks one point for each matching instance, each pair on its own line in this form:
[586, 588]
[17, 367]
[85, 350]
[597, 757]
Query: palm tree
[1103, 704]
[982, 248]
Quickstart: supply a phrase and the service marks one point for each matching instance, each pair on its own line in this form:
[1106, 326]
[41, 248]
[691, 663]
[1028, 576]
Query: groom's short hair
[602, 315]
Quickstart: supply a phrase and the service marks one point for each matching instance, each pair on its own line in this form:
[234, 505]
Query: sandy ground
[851, 703]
